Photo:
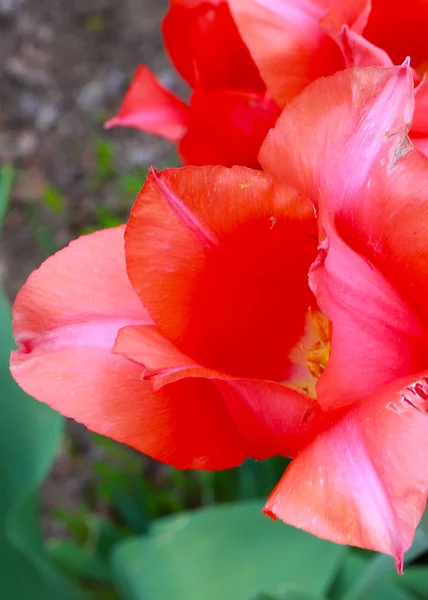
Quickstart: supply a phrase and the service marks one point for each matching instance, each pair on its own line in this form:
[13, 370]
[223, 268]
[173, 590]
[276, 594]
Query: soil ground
[64, 68]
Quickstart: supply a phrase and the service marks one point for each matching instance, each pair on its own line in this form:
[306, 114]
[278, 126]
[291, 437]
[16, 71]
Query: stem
[382, 566]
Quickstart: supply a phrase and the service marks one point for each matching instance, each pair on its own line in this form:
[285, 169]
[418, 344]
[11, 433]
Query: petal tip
[399, 563]
[113, 122]
[268, 510]
[406, 63]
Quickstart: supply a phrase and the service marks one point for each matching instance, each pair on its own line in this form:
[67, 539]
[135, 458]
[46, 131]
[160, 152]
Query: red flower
[230, 111]
[294, 42]
[363, 479]
[173, 340]
[198, 340]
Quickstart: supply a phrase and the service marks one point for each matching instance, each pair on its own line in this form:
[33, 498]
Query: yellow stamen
[318, 355]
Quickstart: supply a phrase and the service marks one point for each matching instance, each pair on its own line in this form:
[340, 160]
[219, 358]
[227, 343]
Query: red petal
[376, 336]
[106, 393]
[228, 127]
[364, 480]
[400, 29]
[224, 284]
[353, 13]
[317, 146]
[206, 48]
[66, 318]
[163, 362]
[151, 107]
[419, 132]
[278, 419]
[273, 418]
[287, 43]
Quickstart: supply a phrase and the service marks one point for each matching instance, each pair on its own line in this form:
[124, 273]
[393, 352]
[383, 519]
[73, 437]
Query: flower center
[318, 354]
[310, 356]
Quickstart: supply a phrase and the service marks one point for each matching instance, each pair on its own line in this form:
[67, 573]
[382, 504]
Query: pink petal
[351, 156]
[163, 362]
[287, 43]
[359, 52]
[330, 149]
[66, 319]
[151, 107]
[81, 296]
[106, 393]
[376, 337]
[364, 480]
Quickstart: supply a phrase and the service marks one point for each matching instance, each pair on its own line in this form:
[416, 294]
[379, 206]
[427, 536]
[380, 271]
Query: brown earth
[64, 68]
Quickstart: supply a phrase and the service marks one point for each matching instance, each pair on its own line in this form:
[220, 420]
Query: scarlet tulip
[230, 110]
[295, 41]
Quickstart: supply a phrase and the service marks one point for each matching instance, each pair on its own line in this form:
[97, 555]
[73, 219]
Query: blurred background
[81, 517]
[64, 69]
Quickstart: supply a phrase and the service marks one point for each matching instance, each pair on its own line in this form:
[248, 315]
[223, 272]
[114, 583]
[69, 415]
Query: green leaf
[104, 159]
[53, 199]
[232, 552]
[354, 566]
[257, 479]
[131, 183]
[415, 581]
[290, 595]
[29, 436]
[7, 175]
[74, 560]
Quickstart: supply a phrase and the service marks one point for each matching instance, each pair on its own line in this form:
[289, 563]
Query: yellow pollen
[317, 356]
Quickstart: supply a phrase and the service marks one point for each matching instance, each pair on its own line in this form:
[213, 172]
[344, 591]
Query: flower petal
[389, 227]
[419, 132]
[287, 43]
[400, 29]
[206, 48]
[66, 318]
[105, 392]
[272, 418]
[359, 52]
[364, 480]
[353, 13]
[163, 362]
[228, 127]
[376, 336]
[278, 419]
[329, 149]
[151, 107]
[211, 253]
[82, 293]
